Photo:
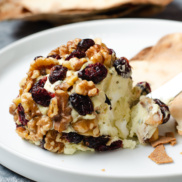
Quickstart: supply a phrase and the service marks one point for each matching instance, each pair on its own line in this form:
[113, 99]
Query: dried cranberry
[107, 101]
[58, 72]
[21, 115]
[37, 57]
[122, 67]
[114, 145]
[42, 143]
[164, 109]
[85, 44]
[144, 87]
[41, 82]
[19, 125]
[82, 104]
[40, 95]
[111, 51]
[77, 54]
[93, 72]
[95, 142]
[72, 137]
[55, 56]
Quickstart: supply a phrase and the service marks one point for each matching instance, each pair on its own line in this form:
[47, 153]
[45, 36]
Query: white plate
[126, 37]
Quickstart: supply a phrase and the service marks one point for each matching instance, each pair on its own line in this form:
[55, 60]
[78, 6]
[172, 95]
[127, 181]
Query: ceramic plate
[126, 37]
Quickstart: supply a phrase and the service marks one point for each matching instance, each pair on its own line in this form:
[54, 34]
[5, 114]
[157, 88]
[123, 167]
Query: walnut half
[59, 111]
[86, 88]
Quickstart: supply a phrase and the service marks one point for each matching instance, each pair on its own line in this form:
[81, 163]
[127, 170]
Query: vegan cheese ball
[80, 97]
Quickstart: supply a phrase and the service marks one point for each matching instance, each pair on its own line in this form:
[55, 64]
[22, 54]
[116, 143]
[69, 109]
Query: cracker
[160, 156]
[175, 108]
[164, 140]
[148, 64]
[61, 10]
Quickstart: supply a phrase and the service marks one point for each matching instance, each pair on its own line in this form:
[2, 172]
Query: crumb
[164, 140]
[103, 170]
[181, 153]
[62, 160]
[160, 156]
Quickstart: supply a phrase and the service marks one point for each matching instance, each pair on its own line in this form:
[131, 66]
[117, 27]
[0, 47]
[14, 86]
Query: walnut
[13, 111]
[86, 88]
[27, 82]
[26, 86]
[35, 74]
[87, 127]
[71, 79]
[38, 127]
[22, 132]
[100, 53]
[30, 107]
[63, 86]
[59, 110]
[51, 144]
[69, 47]
[53, 111]
[17, 101]
[67, 83]
[55, 51]
[74, 63]
[42, 63]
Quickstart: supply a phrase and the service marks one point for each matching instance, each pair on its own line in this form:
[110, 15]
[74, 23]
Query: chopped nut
[71, 46]
[51, 144]
[38, 127]
[30, 108]
[22, 132]
[55, 51]
[99, 53]
[71, 80]
[35, 74]
[59, 110]
[53, 108]
[27, 82]
[42, 62]
[63, 86]
[12, 109]
[86, 88]
[87, 127]
[74, 63]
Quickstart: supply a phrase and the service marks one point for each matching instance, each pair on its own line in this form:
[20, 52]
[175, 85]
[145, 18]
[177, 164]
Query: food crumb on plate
[159, 155]
[168, 138]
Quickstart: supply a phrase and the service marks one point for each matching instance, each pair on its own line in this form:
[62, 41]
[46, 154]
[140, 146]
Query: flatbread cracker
[175, 107]
[164, 140]
[61, 10]
[160, 63]
[160, 156]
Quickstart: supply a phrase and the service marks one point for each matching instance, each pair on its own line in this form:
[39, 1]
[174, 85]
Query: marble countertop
[11, 31]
